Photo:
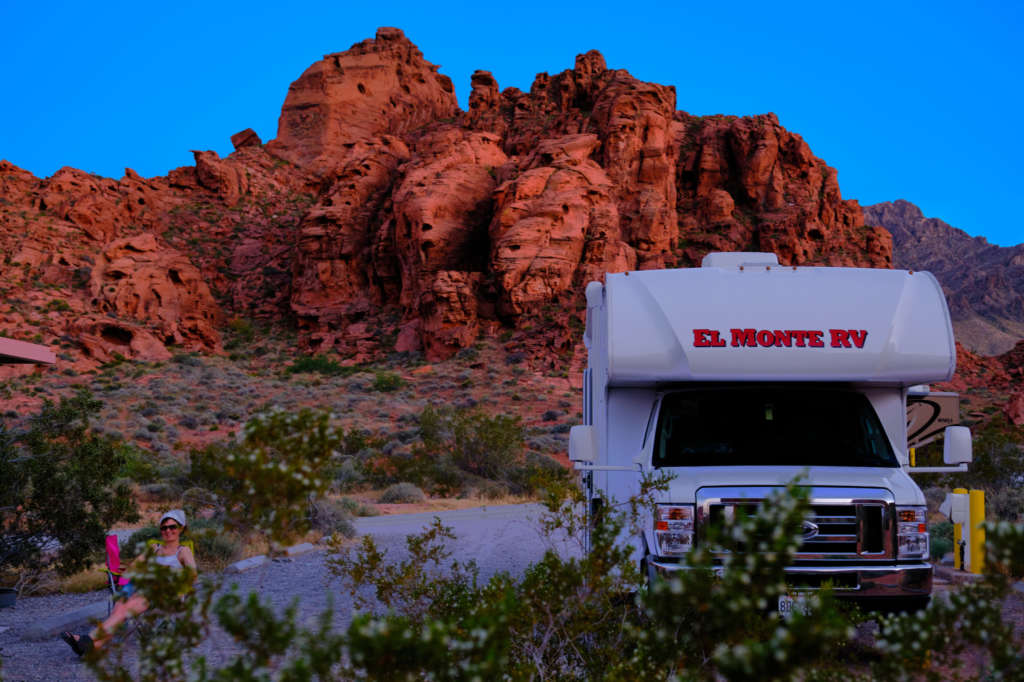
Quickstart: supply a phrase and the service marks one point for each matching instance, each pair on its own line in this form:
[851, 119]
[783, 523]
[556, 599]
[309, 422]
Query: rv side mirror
[957, 446]
[582, 444]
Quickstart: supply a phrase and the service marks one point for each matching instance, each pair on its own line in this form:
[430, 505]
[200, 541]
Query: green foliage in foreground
[56, 484]
[269, 475]
[428, 617]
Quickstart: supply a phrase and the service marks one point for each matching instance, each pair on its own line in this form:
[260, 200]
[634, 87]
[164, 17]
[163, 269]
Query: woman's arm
[186, 558]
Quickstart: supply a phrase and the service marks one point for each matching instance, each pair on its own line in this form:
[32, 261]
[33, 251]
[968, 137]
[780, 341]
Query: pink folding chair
[115, 579]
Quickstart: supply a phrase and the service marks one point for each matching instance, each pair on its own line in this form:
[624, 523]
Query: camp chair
[115, 579]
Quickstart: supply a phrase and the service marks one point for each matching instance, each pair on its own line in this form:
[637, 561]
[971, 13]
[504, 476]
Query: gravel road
[503, 538]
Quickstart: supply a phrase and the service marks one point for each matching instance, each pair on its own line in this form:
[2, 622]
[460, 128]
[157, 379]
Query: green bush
[387, 381]
[331, 517]
[477, 443]
[357, 508]
[266, 476]
[160, 492]
[1005, 504]
[138, 465]
[427, 616]
[940, 538]
[215, 546]
[402, 493]
[322, 364]
[58, 482]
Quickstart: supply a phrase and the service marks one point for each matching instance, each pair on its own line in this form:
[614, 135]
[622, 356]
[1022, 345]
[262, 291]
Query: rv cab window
[747, 426]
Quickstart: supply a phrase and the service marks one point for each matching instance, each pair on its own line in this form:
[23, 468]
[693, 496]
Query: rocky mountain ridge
[384, 219]
[983, 282]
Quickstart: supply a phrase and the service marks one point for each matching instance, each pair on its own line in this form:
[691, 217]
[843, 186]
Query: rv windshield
[746, 426]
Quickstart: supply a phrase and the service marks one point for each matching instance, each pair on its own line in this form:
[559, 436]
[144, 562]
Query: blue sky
[912, 100]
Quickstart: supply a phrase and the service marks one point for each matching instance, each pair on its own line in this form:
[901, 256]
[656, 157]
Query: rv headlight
[912, 533]
[673, 529]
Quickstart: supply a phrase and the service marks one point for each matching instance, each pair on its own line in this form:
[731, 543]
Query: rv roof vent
[736, 259]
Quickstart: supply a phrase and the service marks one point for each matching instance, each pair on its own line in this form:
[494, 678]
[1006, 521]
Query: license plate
[788, 605]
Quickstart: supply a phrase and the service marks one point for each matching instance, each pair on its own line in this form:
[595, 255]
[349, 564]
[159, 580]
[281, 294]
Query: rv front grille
[844, 524]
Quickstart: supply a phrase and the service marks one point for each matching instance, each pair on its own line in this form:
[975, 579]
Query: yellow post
[977, 545]
[913, 457]
[958, 536]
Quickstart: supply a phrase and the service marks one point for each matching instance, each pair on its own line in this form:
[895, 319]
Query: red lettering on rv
[780, 338]
[744, 337]
[704, 338]
[840, 338]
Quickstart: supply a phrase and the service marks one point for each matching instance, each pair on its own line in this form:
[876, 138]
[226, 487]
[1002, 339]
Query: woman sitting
[170, 552]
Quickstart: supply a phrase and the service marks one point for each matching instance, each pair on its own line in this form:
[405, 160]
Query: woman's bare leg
[132, 606]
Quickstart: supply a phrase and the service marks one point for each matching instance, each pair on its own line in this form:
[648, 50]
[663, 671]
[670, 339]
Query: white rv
[741, 375]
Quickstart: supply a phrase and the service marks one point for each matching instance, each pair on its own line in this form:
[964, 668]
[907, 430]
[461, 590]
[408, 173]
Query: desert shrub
[268, 474]
[940, 538]
[57, 483]
[456, 449]
[387, 381]
[322, 364]
[241, 333]
[357, 508]
[188, 421]
[331, 517]
[215, 547]
[492, 490]
[427, 616]
[402, 493]
[187, 359]
[346, 475]
[1005, 504]
[477, 443]
[137, 465]
[197, 499]
[159, 492]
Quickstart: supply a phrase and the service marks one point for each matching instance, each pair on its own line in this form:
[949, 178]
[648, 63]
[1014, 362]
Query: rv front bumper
[896, 581]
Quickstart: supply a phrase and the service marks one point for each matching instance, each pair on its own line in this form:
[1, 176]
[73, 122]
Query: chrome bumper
[903, 580]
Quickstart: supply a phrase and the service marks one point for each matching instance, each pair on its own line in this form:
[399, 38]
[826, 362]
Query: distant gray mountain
[984, 283]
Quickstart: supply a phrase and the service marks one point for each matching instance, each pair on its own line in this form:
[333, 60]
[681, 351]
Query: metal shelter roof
[14, 352]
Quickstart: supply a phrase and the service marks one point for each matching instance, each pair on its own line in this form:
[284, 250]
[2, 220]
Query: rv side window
[745, 426]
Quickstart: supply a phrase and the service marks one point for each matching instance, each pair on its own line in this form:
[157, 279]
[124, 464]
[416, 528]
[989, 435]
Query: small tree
[58, 491]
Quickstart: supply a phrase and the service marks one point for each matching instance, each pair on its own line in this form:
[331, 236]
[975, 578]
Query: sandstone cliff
[984, 283]
[383, 219]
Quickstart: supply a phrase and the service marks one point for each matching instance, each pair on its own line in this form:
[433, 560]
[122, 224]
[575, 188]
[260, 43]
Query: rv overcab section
[741, 375]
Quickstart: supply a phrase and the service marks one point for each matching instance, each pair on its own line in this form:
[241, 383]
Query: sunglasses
[170, 526]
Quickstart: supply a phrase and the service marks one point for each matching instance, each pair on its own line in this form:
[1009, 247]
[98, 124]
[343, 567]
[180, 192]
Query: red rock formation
[1013, 361]
[136, 279]
[246, 138]
[381, 218]
[377, 87]
[557, 215]
[1014, 409]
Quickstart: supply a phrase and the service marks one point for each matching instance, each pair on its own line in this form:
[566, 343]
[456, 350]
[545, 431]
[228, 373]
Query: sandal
[81, 645]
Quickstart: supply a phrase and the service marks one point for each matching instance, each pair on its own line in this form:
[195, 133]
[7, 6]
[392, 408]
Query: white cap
[176, 514]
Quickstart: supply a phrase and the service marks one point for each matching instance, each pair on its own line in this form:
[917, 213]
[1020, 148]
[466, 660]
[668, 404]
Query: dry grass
[369, 497]
[91, 579]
